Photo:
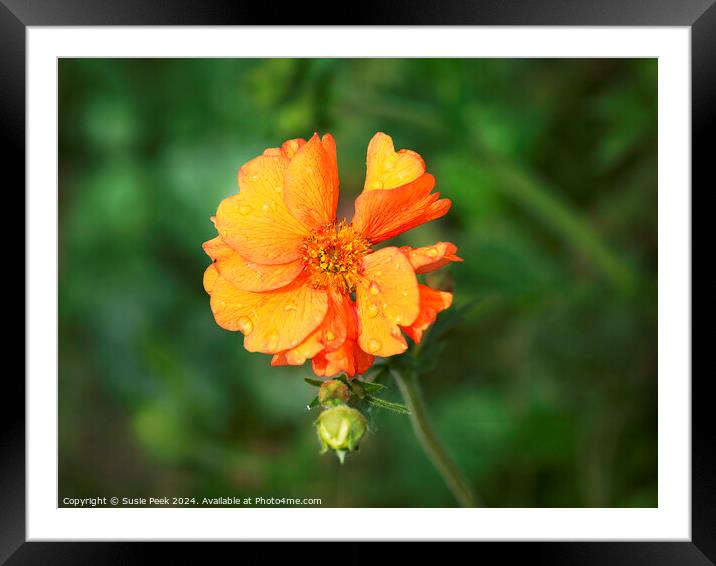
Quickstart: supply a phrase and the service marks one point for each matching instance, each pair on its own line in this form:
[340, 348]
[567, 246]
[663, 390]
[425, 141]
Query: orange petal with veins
[431, 303]
[337, 326]
[382, 214]
[349, 358]
[273, 321]
[246, 275]
[210, 277]
[431, 258]
[386, 297]
[297, 356]
[387, 168]
[311, 187]
[256, 222]
[288, 149]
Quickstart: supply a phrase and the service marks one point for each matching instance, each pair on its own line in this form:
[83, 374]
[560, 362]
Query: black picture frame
[17, 15]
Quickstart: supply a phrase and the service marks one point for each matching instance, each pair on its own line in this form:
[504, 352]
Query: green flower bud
[333, 393]
[340, 429]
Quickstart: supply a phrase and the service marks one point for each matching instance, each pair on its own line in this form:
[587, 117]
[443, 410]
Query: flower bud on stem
[340, 428]
[333, 393]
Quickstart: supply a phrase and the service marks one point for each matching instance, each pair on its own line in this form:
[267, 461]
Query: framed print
[423, 278]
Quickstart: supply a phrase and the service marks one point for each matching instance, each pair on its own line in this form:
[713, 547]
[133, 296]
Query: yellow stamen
[333, 256]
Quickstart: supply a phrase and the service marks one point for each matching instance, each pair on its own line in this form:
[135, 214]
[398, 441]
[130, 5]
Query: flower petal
[297, 356]
[311, 188]
[386, 168]
[341, 322]
[338, 325]
[431, 258]
[210, 277]
[382, 214]
[431, 303]
[272, 321]
[386, 296]
[349, 358]
[246, 275]
[288, 149]
[256, 222]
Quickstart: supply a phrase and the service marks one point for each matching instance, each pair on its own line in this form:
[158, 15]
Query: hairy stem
[410, 389]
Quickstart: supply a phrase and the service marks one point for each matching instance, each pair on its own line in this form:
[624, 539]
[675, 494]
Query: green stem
[409, 388]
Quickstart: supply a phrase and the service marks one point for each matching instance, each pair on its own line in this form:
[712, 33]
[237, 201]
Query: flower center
[333, 254]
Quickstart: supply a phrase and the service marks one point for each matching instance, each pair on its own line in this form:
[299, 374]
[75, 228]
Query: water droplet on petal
[374, 289]
[432, 252]
[271, 341]
[265, 207]
[374, 345]
[244, 209]
[330, 335]
[371, 311]
[245, 325]
[290, 306]
[278, 188]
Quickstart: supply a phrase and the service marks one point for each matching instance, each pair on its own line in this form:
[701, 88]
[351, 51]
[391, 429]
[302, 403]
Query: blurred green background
[545, 392]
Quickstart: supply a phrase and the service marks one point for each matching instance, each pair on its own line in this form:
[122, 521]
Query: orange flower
[299, 284]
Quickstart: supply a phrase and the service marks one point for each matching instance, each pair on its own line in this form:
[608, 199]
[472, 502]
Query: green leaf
[390, 406]
[357, 389]
[369, 387]
[313, 404]
[314, 382]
